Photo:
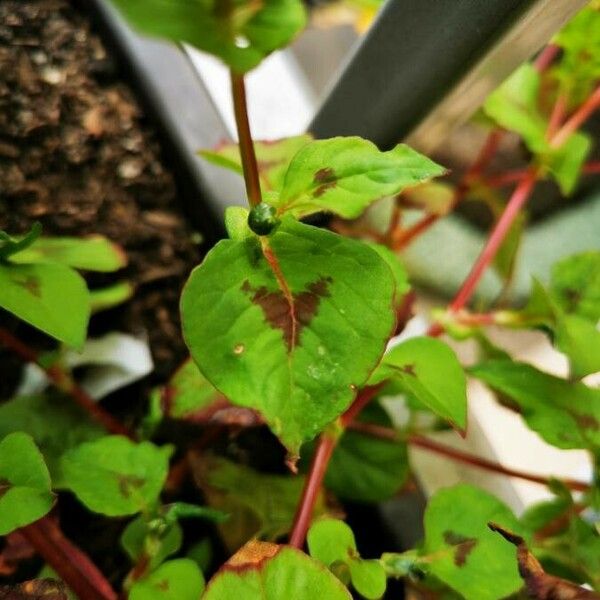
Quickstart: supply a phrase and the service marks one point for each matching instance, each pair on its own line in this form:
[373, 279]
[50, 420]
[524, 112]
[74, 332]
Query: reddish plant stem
[362, 399]
[577, 119]
[314, 480]
[546, 57]
[249, 164]
[510, 177]
[516, 202]
[419, 441]
[73, 566]
[485, 156]
[557, 116]
[64, 382]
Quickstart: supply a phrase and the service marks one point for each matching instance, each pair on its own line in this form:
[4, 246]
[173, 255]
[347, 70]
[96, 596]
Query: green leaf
[506, 257]
[273, 158]
[565, 414]
[364, 468]
[139, 539]
[428, 369]
[580, 341]
[241, 33]
[179, 579]
[397, 268]
[247, 495]
[114, 476]
[368, 578]
[189, 391]
[52, 298]
[575, 285]
[55, 423]
[513, 106]
[273, 343]
[184, 510]
[463, 552]
[263, 571]
[25, 494]
[343, 175]
[331, 541]
[110, 296]
[578, 67]
[565, 163]
[93, 253]
[236, 223]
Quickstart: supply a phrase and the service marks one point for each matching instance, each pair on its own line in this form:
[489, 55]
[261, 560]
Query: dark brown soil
[78, 155]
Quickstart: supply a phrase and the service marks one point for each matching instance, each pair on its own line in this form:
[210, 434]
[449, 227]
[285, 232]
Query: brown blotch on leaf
[29, 283]
[289, 319]
[464, 546]
[326, 178]
[4, 486]
[251, 555]
[586, 421]
[409, 370]
[539, 584]
[129, 482]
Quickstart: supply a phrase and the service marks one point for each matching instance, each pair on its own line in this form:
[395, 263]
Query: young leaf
[566, 414]
[343, 175]
[272, 156]
[114, 476]
[514, 106]
[25, 494]
[433, 197]
[51, 297]
[188, 391]
[10, 246]
[138, 539]
[179, 579]
[397, 268]
[55, 424]
[264, 571]
[247, 496]
[93, 253]
[241, 33]
[367, 469]
[110, 296]
[429, 370]
[332, 542]
[463, 552]
[580, 341]
[268, 337]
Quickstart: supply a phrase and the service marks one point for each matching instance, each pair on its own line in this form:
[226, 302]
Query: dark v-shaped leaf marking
[283, 309]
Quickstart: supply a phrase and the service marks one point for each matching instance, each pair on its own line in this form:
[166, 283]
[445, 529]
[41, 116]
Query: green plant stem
[74, 567]
[419, 441]
[249, 164]
[64, 382]
[314, 480]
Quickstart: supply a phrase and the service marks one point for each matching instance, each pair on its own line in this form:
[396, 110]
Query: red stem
[73, 566]
[483, 159]
[249, 164]
[577, 119]
[516, 202]
[362, 399]
[469, 459]
[64, 382]
[314, 480]
[509, 177]
[557, 116]
[546, 57]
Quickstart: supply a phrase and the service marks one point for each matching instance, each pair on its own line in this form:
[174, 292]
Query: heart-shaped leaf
[51, 297]
[25, 494]
[291, 328]
[343, 175]
[428, 369]
[264, 571]
[462, 551]
[115, 476]
[241, 32]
